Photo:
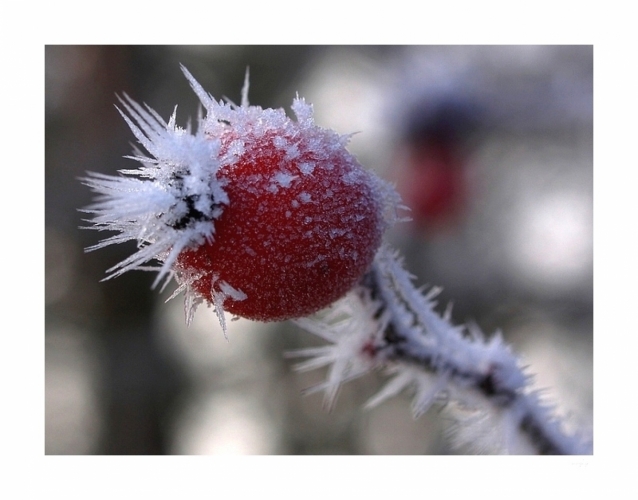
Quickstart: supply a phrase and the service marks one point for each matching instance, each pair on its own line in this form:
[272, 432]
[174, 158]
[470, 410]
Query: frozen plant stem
[387, 323]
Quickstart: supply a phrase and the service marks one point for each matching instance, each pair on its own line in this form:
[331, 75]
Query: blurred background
[490, 146]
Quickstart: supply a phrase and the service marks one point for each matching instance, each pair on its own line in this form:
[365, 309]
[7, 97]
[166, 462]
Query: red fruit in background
[438, 134]
[434, 185]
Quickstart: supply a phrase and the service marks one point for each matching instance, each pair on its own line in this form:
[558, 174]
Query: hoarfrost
[292, 152]
[306, 168]
[284, 179]
[280, 142]
[305, 197]
[231, 292]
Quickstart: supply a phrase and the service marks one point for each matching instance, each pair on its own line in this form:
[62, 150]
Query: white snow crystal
[306, 168]
[284, 179]
[305, 197]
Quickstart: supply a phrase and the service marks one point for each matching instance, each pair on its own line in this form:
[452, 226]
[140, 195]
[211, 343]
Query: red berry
[257, 214]
[302, 224]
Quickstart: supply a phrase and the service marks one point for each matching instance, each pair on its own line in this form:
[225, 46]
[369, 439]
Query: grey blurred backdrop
[491, 146]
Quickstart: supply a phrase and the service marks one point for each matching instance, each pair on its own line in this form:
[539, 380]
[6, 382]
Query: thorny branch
[411, 338]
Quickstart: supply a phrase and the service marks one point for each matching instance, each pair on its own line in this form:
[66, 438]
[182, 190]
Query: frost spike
[205, 98]
[244, 90]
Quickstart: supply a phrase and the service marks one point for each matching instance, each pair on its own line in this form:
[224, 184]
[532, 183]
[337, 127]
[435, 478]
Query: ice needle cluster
[173, 199]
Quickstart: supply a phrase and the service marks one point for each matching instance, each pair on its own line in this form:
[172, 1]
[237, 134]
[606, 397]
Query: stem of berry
[387, 323]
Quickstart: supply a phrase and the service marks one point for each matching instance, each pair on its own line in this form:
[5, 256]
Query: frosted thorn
[244, 90]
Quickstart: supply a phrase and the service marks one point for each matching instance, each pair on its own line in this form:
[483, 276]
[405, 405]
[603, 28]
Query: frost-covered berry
[256, 214]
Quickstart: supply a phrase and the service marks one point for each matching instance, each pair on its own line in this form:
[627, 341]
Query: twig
[388, 323]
